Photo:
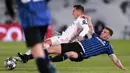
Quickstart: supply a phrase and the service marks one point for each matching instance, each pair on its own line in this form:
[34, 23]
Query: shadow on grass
[19, 69]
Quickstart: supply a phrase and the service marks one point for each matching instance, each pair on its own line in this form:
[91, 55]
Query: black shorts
[34, 35]
[75, 46]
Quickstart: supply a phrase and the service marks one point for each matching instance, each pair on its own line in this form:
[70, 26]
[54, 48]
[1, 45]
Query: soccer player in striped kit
[34, 18]
[87, 48]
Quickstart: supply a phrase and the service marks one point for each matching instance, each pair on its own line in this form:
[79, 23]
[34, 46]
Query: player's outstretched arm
[117, 62]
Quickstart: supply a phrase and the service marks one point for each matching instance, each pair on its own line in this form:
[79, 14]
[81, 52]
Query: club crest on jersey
[84, 22]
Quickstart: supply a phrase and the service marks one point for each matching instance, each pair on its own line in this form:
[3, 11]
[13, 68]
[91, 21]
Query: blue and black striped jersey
[33, 13]
[96, 46]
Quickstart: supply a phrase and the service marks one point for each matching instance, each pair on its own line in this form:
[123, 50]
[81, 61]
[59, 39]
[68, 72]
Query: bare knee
[36, 50]
[47, 43]
[72, 54]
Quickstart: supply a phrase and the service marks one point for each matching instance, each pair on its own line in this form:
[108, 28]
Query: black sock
[27, 57]
[30, 57]
[59, 58]
[46, 53]
[44, 66]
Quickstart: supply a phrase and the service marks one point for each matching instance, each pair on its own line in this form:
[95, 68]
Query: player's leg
[28, 56]
[40, 60]
[60, 58]
[47, 43]
[33, 39]
[77, 59]
[74, 55]
[24, 58]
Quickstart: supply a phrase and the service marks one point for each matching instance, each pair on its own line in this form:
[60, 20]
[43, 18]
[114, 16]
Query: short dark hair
[79, 7]
[110, 30]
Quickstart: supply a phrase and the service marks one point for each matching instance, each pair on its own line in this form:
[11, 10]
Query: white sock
[28, 52]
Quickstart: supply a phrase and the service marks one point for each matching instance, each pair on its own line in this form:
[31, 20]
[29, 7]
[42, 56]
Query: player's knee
[36, 50]
[72, 55]
[47, 43]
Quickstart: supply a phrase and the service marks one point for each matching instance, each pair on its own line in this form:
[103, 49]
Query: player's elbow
[117, 61]
[85, 30]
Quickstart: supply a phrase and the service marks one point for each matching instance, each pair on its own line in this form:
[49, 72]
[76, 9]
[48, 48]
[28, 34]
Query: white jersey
[79, 28]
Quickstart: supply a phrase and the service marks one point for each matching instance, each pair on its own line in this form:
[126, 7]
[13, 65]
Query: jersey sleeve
[84, 31]
[83, 24]
[110, 50]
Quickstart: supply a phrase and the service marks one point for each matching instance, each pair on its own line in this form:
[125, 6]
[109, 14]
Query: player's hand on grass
[124, 68]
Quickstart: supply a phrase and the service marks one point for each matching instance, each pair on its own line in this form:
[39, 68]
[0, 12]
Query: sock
[46, 53]
[27, 57]
[65, 56]
[30, 57]
[59, 58]
[44, 65]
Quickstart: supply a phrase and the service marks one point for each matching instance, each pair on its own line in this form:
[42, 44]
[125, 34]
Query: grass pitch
[99, 64]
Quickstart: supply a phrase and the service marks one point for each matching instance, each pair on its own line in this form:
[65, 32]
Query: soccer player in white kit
[76, 31]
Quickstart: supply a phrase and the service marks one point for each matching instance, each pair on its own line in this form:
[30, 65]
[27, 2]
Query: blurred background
[112, 13]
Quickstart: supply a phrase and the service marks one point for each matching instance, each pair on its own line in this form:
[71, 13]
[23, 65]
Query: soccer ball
[10, 63]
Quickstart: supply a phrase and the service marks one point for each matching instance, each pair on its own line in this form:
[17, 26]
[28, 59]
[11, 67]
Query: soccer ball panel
[10, 63]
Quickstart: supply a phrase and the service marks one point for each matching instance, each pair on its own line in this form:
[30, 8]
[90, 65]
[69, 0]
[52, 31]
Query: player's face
[76, 13]
[105, 34]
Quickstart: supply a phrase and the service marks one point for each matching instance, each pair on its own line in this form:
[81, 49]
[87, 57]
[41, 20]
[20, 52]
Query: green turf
[99, 64]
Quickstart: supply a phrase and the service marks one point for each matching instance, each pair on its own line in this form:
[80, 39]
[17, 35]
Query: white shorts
[56, 40]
